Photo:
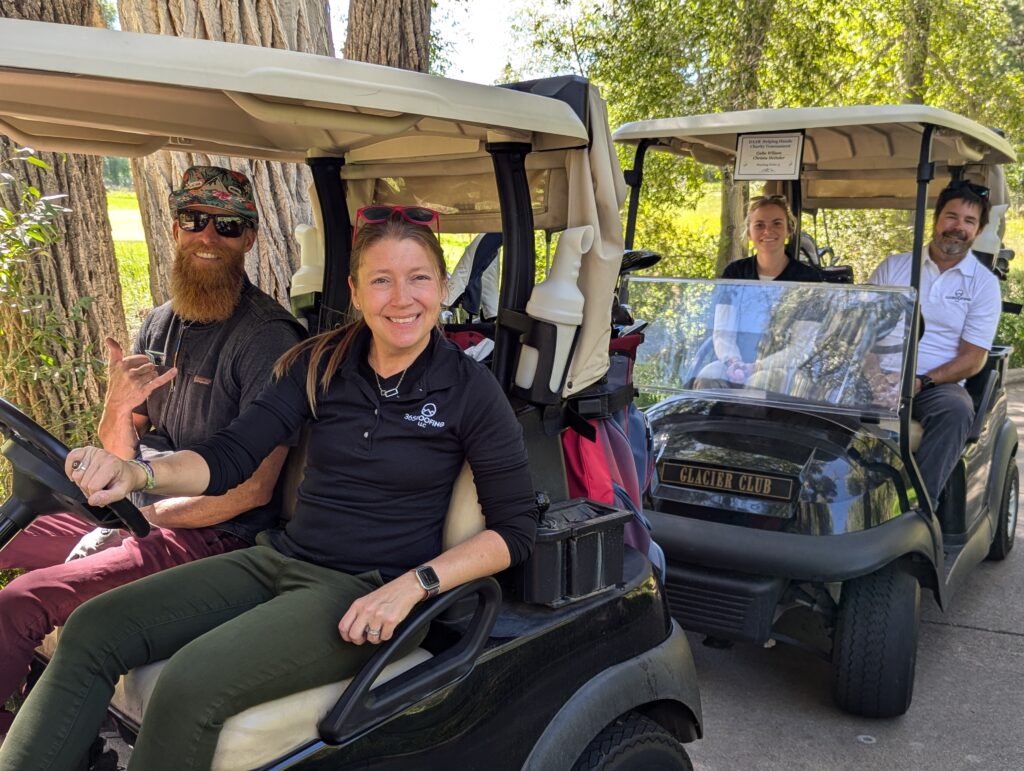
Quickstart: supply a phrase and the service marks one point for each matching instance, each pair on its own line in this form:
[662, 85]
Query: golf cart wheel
[631, 743]
[1006, 522]
[875, 645]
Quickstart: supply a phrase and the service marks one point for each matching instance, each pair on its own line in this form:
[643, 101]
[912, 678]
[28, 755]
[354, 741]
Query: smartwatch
[428, 580]
[926, 382]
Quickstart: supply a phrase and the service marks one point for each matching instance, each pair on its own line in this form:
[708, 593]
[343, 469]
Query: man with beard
[960, 304]
[199, 360]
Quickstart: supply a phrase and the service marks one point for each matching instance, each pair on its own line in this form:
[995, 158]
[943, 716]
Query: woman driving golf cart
[394, 410]
[739, 330]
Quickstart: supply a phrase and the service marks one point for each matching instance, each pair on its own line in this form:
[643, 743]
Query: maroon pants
[34, 603]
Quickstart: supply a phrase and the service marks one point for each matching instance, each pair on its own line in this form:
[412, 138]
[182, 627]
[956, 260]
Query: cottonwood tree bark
[76, 277]
[754, 20]
[281, 189]
[395, 33]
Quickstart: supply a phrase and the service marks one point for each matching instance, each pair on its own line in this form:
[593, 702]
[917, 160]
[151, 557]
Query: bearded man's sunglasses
[226, 225]
[415, 215]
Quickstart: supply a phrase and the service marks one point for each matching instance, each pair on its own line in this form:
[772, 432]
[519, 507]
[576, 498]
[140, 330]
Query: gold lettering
[719, 479]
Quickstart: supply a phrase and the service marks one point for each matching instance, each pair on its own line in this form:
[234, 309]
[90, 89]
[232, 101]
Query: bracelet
[146, 466]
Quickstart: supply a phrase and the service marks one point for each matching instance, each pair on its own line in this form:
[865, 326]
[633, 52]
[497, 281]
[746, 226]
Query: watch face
[428, 578]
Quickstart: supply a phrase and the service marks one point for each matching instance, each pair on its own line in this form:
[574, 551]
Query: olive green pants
[238, 629]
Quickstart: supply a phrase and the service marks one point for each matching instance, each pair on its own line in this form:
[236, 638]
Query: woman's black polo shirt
[380, 471]
[794, 271]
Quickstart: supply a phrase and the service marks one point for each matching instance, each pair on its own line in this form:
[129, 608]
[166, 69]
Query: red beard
[206, 290]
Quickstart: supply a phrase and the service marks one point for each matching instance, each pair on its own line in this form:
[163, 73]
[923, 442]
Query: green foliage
[108, 10]
[862, 238]
[1011, 328]
[133, 272]
[658, 58]
[132, 255]
[34, 343]
[117, 173]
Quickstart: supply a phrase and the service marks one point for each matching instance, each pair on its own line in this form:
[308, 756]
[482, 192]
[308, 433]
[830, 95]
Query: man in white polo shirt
[960, 303]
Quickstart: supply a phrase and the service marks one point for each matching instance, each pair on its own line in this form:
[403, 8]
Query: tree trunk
[395, 33]
[62, 366]
[917, 22]
[753, 22]
[281, 189]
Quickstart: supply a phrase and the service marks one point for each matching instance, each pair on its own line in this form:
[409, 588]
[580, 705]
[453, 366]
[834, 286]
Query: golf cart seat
[983, 388]
[268, 731]
[916, 432]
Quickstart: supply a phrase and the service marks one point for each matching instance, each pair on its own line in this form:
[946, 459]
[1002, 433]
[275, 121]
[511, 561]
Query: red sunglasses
[415, 215]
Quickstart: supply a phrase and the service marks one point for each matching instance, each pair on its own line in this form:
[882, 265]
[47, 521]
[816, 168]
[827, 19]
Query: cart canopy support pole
[330, 191]
[518, 254]
[925, 174]
[634, 178]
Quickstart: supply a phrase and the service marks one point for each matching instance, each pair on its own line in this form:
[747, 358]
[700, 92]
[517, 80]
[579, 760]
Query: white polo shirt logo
[426, 417]
[959, 296]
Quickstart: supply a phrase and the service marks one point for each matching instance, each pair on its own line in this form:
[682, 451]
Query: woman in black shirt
[394, 411]
[769, 224]
[739, 328]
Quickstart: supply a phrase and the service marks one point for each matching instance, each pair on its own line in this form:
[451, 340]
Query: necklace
[387, 393]
[185, 326]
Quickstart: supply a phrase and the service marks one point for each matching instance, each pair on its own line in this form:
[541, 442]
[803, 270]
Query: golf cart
[789, 503]
[569, 661]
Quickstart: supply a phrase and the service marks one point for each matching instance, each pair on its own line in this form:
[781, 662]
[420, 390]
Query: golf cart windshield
[832, 347]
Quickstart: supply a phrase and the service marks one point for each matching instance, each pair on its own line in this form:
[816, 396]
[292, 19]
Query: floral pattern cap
[215, 186]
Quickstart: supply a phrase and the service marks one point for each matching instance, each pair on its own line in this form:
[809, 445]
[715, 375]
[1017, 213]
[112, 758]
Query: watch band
[926, 382]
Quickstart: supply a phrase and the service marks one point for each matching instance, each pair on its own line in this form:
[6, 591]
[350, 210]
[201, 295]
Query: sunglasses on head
[226, 225]
[764, 199]
[415, 215]
[962, 184]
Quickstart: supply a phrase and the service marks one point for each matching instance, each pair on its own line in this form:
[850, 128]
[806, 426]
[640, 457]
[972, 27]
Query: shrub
[1011, 327]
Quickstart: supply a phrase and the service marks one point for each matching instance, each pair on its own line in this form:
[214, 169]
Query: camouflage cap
[215, 186]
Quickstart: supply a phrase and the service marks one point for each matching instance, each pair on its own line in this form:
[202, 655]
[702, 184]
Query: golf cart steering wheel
[40, 484]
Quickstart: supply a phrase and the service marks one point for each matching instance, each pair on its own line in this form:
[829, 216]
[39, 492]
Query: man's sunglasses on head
[415, 215]
[226, 225]
[962, 184]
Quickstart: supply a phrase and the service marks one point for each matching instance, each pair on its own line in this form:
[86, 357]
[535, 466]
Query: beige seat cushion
[465, 518]
[263, 733]
[916, 431]
[258, 735]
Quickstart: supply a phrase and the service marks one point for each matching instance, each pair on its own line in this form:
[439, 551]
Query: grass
[132, 256]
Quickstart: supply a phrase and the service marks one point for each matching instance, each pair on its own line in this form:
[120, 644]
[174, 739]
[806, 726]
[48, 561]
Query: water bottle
[559, 301]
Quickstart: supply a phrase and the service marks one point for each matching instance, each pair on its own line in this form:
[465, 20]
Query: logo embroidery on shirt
[426, 417]
[958, 296]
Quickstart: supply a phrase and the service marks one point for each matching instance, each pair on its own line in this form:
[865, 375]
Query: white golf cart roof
[120, 93]
[406, 137]
[854, 157]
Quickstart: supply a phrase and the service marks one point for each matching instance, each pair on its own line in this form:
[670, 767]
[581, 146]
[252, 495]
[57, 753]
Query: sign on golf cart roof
[769, 156]
[78, 89]
[853, 157]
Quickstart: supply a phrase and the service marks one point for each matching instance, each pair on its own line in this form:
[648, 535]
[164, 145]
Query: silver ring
[78, 465]
[372, 632]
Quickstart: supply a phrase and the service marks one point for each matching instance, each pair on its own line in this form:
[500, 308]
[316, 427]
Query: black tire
[1006, 522]
[875, 646]
[634, 743]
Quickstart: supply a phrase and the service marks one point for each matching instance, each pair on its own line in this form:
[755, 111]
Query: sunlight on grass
[706, 217]
[132, 257]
